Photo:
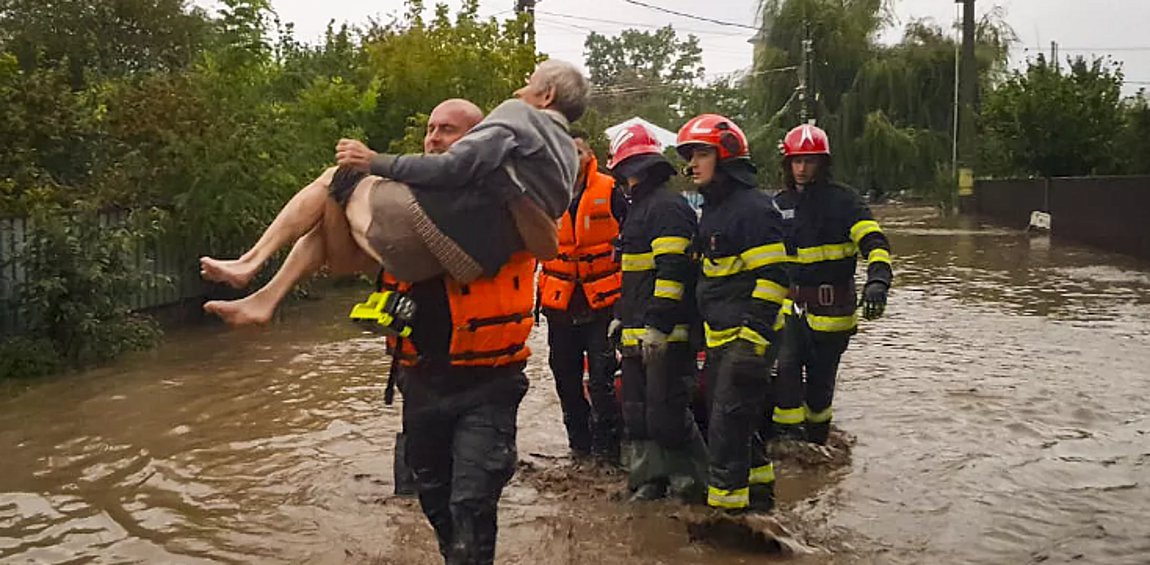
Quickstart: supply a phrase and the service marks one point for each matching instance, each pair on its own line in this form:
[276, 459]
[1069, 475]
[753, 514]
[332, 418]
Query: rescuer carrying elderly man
[458, 242]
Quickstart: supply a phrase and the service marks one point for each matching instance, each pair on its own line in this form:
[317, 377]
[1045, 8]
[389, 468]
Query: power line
[692, 16]
[630, 24]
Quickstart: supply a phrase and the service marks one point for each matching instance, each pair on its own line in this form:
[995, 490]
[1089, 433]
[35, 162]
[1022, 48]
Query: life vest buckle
[826, 295]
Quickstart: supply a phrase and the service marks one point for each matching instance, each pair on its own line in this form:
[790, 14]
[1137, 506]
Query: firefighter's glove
[654, 342]
[874, 299]
[614, 329]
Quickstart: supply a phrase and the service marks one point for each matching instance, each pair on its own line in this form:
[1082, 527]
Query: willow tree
[889, 109]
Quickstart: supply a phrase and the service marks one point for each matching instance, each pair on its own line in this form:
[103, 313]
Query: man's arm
[872, 243]
[673, 268]
[765, 255]
[475, 155]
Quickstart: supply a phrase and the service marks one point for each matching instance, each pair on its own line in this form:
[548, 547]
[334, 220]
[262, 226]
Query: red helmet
[806, 140]
[716, 131]
[631, 141]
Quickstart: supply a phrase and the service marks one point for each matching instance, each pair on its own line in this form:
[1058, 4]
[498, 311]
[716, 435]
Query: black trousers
[808, 370]
[594, 427]
[740, 474]
[460, 428]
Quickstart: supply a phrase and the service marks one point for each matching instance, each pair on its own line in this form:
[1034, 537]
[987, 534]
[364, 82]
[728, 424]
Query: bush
[83, 272]
[25, 358]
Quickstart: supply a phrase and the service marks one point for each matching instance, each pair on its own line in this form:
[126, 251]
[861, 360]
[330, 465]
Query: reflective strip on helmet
[764, 475]
[820, 417]
[672, 290]
[631, 336]
[864, 228]
[635, 262]
[723, 498]
[832, 252]
[669, 245]
[789, 416]
[879, 256]
[725, 267]
[770, 291]
[831, 324]
[757, 257]
[719, 338]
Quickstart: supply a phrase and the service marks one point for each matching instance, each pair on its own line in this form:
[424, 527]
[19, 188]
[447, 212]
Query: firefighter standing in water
[827, 226]
[576, 292]
[663, 449]
[741, 290]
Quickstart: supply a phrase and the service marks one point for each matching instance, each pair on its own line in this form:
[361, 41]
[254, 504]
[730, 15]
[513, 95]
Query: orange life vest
[491, 318]
[586, 250]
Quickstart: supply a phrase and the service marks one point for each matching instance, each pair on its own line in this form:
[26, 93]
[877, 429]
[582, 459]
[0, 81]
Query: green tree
[643, 73]
[1134, 142]
[1057, 121]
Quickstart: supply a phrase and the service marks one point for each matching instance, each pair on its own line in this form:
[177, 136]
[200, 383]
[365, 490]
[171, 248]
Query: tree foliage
[1056, 121]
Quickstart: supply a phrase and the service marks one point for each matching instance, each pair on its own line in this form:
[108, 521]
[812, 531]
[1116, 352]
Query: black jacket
[658, 273]
[744, 281]
[827, 226]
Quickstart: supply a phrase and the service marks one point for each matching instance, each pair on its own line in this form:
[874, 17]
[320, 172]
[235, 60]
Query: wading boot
[654, 490]
[762, 498]
[818, 433]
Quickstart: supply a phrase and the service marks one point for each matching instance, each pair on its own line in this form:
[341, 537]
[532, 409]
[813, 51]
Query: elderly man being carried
[463, 213]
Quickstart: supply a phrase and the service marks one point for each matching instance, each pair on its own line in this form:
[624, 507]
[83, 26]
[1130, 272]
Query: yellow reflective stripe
[832, 252]
[722, 498]
[719, 338]
[764, 475]
[764, 255]
[788, 307]
[819, 417]
[789, 416]
[638, 262]
[830, 324]
[669, 245]
[780, 320]
[879, 256]
[724, 267]
[770, 291]
[863, 229]
[668, 289]
[631, 336]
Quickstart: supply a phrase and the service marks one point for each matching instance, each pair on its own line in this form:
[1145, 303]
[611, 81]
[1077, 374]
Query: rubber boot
[786, 432]
[762, 498]
[818, 433]
[404, 480]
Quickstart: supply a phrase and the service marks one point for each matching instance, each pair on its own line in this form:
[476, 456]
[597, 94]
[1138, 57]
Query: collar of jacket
[558, 118]
[720, 188]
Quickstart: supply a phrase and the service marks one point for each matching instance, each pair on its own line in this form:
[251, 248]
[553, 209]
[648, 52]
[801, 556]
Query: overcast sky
[1113, 27]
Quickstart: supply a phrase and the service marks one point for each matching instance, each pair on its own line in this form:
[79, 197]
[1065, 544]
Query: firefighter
[576, 292]
[827, 226]
[461, 375]
[741, 290]
[664, 451]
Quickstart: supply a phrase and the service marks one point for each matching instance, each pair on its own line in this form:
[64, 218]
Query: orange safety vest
[586, 250]
[491, 318]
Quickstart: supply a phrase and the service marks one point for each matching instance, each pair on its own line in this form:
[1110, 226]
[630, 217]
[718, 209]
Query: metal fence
[164, 258]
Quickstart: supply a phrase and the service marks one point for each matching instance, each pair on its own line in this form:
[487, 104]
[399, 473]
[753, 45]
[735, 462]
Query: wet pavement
[1000, 413]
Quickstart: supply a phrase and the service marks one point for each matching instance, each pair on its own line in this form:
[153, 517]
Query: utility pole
[1054, 54]
[806, 79]
[527, 7]
[968, 94]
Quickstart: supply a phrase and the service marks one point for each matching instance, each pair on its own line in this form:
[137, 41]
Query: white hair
[572, 90]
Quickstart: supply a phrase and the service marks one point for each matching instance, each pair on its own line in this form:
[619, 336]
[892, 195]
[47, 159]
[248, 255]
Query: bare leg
[306, 209]
[329, 243]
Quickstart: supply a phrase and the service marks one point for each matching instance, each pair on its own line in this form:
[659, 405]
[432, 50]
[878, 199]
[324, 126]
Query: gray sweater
[517, 149]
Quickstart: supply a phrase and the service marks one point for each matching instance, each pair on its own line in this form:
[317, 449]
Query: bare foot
[253, 310]
[236, 273]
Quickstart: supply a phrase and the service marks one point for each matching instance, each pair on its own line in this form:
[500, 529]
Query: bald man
[449, 122]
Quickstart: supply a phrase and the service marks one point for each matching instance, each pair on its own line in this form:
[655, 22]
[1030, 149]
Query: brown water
[1000, 410]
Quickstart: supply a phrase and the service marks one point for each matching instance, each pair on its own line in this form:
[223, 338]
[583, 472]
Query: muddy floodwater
[1000, 413]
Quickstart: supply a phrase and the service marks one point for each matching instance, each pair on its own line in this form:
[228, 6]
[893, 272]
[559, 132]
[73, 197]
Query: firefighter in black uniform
[827, 226]
[663, 449]
[740, 293]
